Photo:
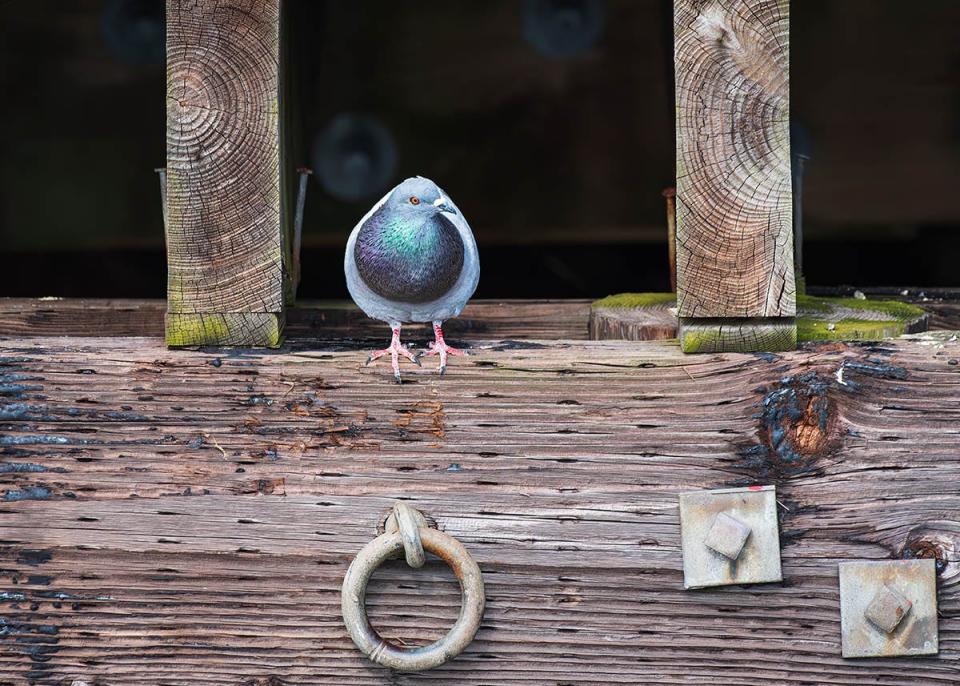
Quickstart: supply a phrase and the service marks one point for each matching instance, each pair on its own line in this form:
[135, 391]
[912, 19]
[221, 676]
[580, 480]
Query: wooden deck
[186, 517]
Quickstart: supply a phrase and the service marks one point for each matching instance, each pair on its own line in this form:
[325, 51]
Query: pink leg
[395, 349]
[440, 347]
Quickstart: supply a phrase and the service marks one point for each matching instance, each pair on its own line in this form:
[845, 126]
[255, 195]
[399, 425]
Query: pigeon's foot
[395, 350]
[440, 347]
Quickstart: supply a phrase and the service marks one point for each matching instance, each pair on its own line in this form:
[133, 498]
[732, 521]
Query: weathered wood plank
[224, 257]
[186, 517]
[502, 319]
[734, 203]
[510, 319]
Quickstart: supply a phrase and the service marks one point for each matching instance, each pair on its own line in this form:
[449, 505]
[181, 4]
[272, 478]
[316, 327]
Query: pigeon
[412, 258]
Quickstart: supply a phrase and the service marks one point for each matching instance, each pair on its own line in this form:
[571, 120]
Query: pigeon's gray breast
[412, 263]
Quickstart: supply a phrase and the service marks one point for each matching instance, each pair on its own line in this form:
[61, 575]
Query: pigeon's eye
[414, 200]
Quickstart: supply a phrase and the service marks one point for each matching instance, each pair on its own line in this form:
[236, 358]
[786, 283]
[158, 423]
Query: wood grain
[734, 207]
[504, 319]
[223, 171]
[186, 517]
[656, 322]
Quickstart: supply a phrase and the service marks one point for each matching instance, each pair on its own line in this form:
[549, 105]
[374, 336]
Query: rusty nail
[162, 174]
[670, 194]
[800, 162]
[304, 174]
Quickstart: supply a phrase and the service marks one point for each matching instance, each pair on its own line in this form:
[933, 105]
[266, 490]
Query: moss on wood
[896, 309]
[636, 300]
[769, 334]
[253, 329]
[818, 318]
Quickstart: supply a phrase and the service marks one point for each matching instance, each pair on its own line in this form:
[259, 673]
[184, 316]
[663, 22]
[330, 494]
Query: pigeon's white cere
[441, 201]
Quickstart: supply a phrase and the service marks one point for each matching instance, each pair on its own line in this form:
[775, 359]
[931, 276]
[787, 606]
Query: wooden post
[735, 276]
[224, 245]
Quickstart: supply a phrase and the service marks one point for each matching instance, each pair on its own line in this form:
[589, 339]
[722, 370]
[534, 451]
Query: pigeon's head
[418, 196]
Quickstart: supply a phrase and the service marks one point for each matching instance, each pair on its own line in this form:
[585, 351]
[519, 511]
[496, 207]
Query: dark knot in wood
[798, 426]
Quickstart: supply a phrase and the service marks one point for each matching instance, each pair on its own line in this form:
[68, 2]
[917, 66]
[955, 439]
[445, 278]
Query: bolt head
[887, 609]
[727, 536]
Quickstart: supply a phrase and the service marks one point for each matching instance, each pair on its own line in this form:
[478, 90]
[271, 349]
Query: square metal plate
[706, 526]
[888, 608]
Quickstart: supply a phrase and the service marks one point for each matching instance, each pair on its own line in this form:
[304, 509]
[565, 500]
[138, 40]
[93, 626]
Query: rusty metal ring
[353, 606]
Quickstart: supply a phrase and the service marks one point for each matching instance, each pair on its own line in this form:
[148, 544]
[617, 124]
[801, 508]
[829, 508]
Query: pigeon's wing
[452, 303]
[374, 306]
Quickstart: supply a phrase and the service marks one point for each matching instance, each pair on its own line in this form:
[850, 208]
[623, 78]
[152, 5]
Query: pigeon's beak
[443, 205]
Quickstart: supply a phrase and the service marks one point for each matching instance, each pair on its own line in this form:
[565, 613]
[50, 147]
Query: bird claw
[441, 349]
[394, 350]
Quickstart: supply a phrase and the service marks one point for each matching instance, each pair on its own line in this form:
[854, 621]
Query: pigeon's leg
[395, 350]
[440, 347]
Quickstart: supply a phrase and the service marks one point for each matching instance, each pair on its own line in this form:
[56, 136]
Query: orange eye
[414, 200]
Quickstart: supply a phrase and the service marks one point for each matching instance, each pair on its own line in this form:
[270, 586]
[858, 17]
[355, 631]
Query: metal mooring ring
[353, 606]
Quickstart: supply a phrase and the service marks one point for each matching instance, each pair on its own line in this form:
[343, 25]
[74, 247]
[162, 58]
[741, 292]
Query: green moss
[699, 341]
[188, 329]
[636, 300]
[816, 328]
[848, 329]
[256, 329]
[897, 310]
[812, 321]
[710, 336]
[808, 303]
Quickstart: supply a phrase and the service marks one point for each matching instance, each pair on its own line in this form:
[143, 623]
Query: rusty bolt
[896, 599]
[715, 527]
[887, 609]
[727, 536]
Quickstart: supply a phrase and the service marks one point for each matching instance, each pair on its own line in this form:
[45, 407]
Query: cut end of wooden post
[634, 317]
[225, 261]
[254, 329]
[734, 205]
[767, 334]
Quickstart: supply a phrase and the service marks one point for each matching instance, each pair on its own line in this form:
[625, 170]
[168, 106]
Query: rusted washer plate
[730, 536]
[888, 608]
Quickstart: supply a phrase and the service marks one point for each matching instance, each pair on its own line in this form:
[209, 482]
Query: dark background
[556, 150]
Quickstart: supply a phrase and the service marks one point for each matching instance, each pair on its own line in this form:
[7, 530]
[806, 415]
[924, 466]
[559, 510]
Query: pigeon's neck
[407, 235]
